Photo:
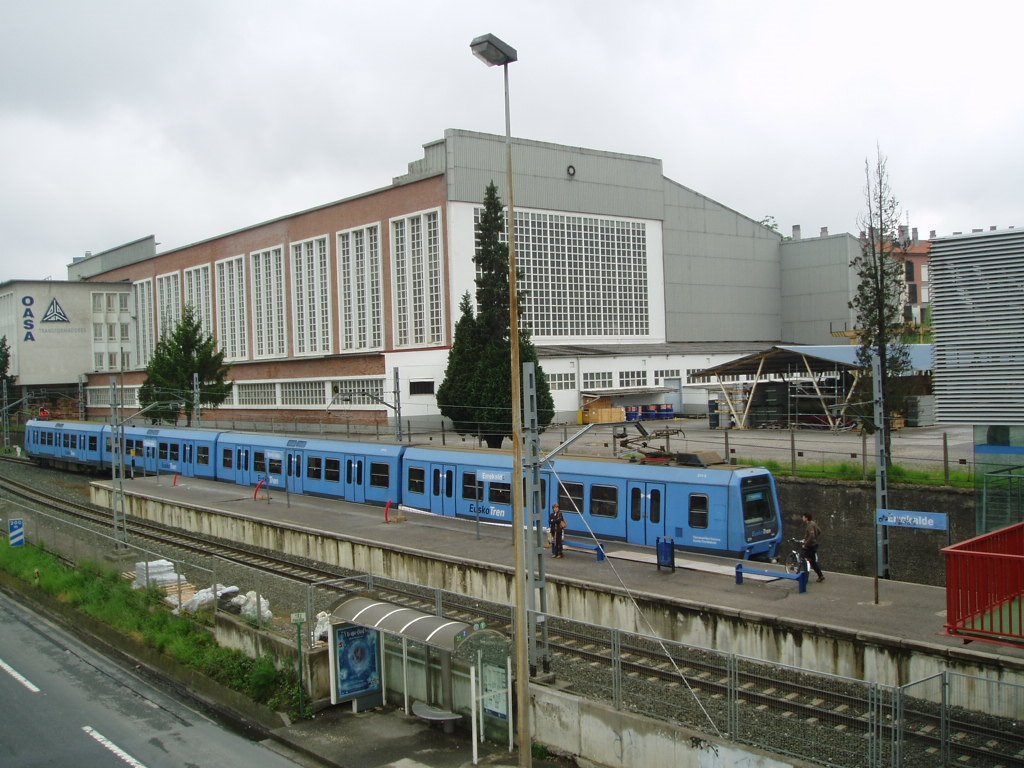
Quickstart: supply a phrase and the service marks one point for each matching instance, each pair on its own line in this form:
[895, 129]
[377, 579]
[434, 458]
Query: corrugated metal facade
[978, 319]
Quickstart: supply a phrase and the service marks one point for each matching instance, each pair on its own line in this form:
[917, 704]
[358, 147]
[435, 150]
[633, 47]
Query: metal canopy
[796, 360]
[435, 631]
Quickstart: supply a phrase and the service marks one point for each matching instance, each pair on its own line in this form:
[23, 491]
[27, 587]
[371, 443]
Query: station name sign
[903, 518]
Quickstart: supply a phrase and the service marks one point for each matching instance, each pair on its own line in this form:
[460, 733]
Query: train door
[242, 466]
[442, 489]
[293, 471]
[353, 476]
[149, 459]
[646, 513]
[187, 467]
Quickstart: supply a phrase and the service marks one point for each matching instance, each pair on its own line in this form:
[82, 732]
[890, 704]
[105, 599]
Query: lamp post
[493, 52]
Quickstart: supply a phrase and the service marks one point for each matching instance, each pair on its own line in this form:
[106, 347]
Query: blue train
[728, 510]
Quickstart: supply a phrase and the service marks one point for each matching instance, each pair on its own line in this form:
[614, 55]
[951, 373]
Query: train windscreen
[757, 500]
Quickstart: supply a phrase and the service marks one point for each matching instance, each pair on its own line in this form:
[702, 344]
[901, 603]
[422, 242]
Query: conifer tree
[476, 393]
[185, 351]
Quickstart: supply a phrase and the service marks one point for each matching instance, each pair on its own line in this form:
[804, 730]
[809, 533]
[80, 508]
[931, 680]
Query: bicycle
[796, 562]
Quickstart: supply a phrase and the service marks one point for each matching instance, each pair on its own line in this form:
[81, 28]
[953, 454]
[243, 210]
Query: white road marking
[116, 750]
[11, 671]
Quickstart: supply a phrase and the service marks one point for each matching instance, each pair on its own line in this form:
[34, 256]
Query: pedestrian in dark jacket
[812, 533]
[556, 523]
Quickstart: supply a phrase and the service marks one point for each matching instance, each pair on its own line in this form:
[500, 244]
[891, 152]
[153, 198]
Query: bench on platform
[429, 712]
[798, 577]
[587, 546]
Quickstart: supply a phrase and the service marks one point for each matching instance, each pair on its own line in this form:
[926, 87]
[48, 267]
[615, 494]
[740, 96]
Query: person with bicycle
[810, 544]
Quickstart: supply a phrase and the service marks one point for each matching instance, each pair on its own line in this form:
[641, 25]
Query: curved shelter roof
[435, 631]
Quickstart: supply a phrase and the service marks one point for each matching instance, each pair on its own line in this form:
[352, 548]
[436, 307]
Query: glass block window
[359, 289]
[559, 381]
[417, 276]
[311, 304]
[668, 373]
[232, 319]
[97, 397]
[632, 378]
[597, 380]
[268, 319]
[198, 293]
[304, 393]
[350, 391]
[168, 291]
[258, 393]
[145, 338]
[582, 276]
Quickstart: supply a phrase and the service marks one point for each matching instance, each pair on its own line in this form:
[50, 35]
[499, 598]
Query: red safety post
[258, 486]
[387, 512]
[175, 481]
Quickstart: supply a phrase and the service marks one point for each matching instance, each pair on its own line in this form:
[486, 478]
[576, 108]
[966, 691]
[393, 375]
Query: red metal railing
[985, 587]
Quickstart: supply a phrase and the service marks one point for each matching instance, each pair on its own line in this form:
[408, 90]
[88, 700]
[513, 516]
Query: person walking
[556, 523]
[812, 533]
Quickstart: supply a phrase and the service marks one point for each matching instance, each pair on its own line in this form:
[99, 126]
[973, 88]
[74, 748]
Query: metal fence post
[617, 669]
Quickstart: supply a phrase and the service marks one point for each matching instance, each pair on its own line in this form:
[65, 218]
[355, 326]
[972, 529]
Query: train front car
[73, 445]
[758, 500]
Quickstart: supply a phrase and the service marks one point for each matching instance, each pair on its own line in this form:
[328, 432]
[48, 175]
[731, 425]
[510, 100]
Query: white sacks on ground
[323, 627]
[247, 605]
[204, 597]
[154, 573]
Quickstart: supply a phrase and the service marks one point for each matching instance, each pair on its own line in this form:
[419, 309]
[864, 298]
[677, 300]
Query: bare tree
[879, 298]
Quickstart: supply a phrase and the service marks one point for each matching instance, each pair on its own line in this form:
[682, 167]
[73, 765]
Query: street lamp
[494, 52]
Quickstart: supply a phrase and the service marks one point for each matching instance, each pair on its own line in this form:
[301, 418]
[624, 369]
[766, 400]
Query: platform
[906, 614]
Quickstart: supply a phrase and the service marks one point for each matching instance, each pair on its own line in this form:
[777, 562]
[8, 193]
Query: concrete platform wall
[829, 650]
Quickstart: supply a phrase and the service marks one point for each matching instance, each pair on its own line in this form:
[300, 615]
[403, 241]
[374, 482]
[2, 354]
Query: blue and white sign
[16, 532]
[903, 518]
[357, 661]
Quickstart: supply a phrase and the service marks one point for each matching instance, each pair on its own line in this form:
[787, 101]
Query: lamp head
[492, 50]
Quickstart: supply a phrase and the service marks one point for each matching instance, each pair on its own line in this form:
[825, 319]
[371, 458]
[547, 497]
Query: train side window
[380, 474]
[108, 445]
[332, 470]
[417, 480]
[314, 467]
[359, 472]
[175, 451]
[698, 510]
[228, 458]
[348, 471]
[259, 461]
[163, 451]
[604, 501]
[275, 465]
[654, 513]
[203, 455]
[92, 442]
[67, 440]
[435, 482]
[472, 488]
[570, 497]
[636, 504]
[500, 493]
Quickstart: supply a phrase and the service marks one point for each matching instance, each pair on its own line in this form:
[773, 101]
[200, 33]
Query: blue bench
[799, 577]
[589, 546]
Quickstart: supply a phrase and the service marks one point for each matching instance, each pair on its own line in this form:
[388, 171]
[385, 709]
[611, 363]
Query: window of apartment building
[97, 331]
[360, 306]
[597, 380]
[145, 339]
[97, 302]
[559, 381]
[912, 293]
[168, 291]
[421, 387]
[582, 276]
[667, 373]
[909, 267]
[199, 295]
[417, 259]
[98, 361]
[122, 302]
[268, 313]
[124, 331]
[924, 273]
[311, 302]
[632, 378]
[232, 315]
[112, 361]
[111, 331]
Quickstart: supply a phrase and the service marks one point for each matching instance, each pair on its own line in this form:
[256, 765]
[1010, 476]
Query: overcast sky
[192, 118]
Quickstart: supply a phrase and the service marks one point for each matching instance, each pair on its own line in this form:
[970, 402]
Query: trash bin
[666, 549]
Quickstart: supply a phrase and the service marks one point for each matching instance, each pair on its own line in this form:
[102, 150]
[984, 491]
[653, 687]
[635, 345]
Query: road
[62, 704]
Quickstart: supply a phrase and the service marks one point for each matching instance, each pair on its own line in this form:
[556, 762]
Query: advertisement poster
[495, 691]
[358, 661]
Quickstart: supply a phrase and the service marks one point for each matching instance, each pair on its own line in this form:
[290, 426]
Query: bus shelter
[444, 669]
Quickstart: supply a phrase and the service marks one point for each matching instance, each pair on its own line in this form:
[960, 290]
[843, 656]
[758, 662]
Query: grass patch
[846, 470]
[143, 616]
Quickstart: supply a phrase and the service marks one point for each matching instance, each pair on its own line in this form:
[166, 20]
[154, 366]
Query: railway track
[839, 717]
